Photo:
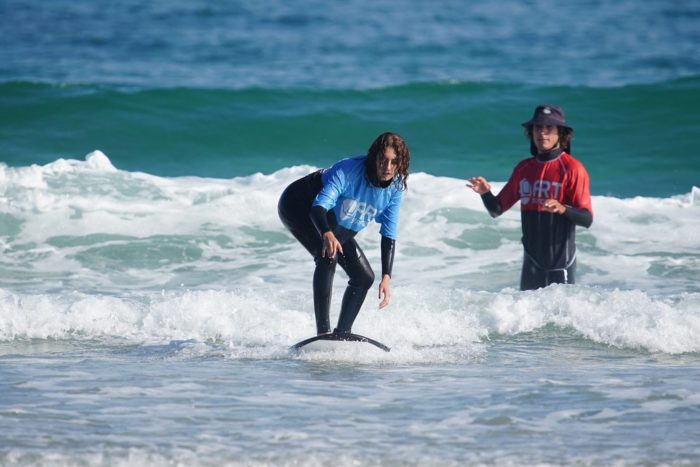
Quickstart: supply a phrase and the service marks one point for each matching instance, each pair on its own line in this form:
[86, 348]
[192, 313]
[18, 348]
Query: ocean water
[149, 293]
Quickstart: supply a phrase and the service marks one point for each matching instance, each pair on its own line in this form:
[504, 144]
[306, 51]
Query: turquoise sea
[149, 293]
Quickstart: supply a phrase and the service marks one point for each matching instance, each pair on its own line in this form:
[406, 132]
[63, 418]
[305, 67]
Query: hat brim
[545, 121]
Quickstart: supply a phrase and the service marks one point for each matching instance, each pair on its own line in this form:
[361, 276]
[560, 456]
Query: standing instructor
[554, 194]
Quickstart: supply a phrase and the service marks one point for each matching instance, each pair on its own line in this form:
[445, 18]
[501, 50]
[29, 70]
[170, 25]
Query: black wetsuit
[308, 223]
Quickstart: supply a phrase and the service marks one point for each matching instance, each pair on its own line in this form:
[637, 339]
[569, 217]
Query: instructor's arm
[481, 186]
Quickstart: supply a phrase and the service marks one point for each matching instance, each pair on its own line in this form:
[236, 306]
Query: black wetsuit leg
[533, 277]
[323, 292]
[355, 264]
[294, 207]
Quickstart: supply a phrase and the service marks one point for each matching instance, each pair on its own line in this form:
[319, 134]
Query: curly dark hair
[566, 134]
[403, 158]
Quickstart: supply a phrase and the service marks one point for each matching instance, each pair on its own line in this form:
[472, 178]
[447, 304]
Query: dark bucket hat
[548, 115]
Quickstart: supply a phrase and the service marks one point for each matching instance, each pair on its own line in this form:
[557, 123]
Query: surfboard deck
[339, 337]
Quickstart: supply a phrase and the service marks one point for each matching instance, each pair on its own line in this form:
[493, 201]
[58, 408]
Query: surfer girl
[324, 211]
[554, 194]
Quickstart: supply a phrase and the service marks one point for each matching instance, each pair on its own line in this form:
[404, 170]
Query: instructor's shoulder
[572, 162]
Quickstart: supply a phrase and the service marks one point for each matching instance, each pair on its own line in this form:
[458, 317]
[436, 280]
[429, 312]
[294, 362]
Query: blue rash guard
[342, 199]
[355, 201]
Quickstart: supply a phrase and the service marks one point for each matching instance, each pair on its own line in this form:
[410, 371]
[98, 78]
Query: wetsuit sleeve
[579, 216]
[507, 197]
[319, 217]
[388, 247]
[491, 203]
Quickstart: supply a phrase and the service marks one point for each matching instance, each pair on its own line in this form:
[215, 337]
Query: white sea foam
[89, 250]
[430, 325]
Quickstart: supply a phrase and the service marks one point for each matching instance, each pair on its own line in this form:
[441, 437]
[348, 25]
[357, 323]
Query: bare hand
[384, 292]
[331, 246]
[479, 185]
[552, 205]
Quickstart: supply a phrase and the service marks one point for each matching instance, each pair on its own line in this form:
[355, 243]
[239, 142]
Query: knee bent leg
[362, 279]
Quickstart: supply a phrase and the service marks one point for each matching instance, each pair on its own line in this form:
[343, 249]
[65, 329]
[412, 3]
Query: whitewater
[91, 251]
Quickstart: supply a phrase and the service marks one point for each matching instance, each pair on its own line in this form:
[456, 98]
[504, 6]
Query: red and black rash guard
[549, 239]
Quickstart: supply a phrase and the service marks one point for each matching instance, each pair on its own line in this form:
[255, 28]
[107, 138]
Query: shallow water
[543, 397]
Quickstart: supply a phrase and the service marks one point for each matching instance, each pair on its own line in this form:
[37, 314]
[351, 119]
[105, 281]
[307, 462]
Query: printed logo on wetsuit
[538, 192]
[357, 211]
